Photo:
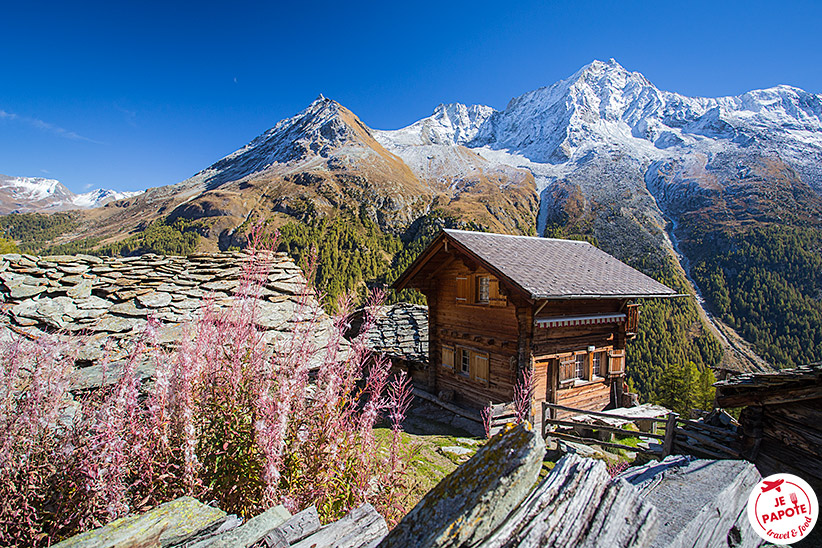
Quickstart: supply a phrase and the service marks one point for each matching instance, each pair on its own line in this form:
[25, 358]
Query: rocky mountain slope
[666, 182]
[649, 174]
[36, 194]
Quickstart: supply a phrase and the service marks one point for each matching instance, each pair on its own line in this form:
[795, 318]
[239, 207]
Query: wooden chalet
[501, 305]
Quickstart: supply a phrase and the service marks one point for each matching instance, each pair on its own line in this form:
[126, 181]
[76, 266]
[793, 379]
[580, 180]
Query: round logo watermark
[783, 509]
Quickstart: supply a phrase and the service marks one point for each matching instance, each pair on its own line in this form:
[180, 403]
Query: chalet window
[474, 364]
[579, 366]
[598, 361]
[480, 289]
[448, 357]
[465, 361]
[483, 289]
[463, 289]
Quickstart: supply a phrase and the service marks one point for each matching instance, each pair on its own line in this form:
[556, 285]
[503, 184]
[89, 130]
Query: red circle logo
[783, 508]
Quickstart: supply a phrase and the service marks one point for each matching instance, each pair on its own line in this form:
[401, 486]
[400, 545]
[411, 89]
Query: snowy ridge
[28, 194]
[604, 107]
[98, 197]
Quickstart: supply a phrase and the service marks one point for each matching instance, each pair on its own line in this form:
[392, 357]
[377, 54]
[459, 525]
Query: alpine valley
[720, 197]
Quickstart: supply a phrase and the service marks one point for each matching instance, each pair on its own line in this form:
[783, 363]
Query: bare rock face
[475, 499]
[167, 525]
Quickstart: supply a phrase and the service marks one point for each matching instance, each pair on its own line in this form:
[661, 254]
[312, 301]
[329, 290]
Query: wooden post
[545, 411]
[670, 435]
[434, 349]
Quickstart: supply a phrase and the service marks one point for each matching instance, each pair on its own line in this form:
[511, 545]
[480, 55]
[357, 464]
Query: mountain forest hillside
[721, 196]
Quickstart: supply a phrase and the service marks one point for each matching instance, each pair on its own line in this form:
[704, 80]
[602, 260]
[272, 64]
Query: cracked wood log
[299, 526]
[167, 525]
[578, 505]
[252, 531]
[471, 502]
[361, 527]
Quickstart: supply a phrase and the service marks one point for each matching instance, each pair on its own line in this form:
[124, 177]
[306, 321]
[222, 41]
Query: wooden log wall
[788, 438]
[551, 344]
[481, 328]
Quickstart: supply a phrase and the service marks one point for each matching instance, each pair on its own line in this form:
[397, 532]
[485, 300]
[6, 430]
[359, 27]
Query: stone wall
[109, 300]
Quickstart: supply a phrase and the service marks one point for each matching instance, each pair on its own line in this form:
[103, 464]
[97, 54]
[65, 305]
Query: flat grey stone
[23, 291]
[80, 291]
[702, 500]
[117, 324]
[73, 269]
[92, 302]
[456, 450]
[154, 299]
[253, 530]
[128, 308]
[220, 285]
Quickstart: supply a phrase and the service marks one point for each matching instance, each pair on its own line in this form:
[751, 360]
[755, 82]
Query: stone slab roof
[805, 376]
[400, 331]
[547, 268]
[110, 299]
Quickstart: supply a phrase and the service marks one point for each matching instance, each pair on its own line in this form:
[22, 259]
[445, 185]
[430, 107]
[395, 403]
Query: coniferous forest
[765, 282]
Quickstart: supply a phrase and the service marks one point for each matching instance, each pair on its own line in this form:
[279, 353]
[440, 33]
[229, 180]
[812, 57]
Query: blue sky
[128, 94]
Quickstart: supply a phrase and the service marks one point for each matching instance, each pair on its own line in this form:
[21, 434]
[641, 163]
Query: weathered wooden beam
[670, 433]
[708, 428]
[600, 413]
[768, 397]
[591, 441]
[710, 442]
[578, 505]
[615, 429]
[363, 526]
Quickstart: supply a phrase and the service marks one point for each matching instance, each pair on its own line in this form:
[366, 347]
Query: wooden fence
[681, 435]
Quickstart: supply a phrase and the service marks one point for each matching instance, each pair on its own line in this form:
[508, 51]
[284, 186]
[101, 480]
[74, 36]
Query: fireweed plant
[224, 419]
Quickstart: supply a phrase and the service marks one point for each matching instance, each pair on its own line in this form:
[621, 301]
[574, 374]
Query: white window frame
[465, 359]
[579, 366]
[483, 289]
[597, 363]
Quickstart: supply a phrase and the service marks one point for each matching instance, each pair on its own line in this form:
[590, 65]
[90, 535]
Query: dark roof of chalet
[547, 268]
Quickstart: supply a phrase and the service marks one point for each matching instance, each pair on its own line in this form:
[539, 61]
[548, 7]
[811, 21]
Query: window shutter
[463, 289]
[480, 366]
[448, 357]
[497, 299]
[567, 367]
[616, 362]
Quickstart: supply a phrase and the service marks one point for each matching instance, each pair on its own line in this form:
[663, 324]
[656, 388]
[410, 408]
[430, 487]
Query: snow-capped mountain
[327, 157]
[611, 134]
[37, 194]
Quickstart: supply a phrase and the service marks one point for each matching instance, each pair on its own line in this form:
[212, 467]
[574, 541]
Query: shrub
[224, 419]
